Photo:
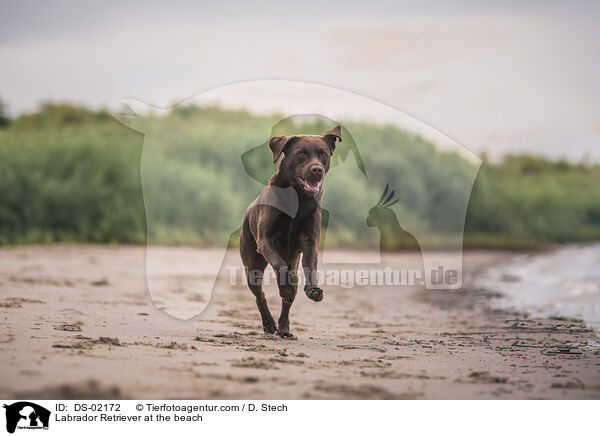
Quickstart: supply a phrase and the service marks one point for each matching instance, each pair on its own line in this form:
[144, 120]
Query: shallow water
[564, 282]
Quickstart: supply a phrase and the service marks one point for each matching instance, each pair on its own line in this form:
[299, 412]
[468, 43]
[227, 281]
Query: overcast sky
[500, 77]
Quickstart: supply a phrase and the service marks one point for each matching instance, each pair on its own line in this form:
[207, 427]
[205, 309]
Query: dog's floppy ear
[277, 144]
[332, 135]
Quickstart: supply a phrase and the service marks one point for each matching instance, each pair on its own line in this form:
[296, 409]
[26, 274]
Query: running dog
[285, 221]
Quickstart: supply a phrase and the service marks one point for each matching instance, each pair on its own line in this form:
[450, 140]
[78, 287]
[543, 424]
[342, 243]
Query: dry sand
[77, 322]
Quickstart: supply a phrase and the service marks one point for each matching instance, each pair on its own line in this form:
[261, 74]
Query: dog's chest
[287, 235]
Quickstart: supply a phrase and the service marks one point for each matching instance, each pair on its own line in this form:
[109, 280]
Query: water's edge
[560, 283]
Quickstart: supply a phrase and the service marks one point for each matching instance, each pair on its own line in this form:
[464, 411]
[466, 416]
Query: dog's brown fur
[270, 236]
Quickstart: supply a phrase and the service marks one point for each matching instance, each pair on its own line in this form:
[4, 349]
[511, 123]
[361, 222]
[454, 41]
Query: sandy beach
[78, 322]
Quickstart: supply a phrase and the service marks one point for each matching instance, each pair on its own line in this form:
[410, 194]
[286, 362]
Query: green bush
[69, 173]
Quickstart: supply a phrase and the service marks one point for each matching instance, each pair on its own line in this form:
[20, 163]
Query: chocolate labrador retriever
[285, 221]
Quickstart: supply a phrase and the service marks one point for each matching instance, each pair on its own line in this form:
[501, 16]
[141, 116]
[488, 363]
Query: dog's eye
[323, 154]
[301, 154]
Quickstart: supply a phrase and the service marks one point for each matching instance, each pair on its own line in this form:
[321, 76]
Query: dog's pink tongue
[314, 184]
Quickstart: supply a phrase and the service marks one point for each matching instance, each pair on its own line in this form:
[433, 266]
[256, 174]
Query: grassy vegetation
[72, 174]
[528, 200]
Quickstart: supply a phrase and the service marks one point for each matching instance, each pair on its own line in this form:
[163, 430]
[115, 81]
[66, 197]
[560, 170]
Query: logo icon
[26, 415]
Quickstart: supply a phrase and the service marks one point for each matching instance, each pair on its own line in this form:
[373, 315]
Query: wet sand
[77, 322]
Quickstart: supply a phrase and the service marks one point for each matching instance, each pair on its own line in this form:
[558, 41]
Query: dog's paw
[315, 294]
[269, 327]
[285, 334]
[284, 330]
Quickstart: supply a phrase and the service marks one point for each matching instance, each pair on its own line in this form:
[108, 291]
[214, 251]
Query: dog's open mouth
[310, 186]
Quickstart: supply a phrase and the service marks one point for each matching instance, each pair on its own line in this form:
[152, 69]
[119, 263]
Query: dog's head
[305, 158]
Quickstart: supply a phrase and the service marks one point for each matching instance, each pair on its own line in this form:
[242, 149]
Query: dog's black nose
[316, 169]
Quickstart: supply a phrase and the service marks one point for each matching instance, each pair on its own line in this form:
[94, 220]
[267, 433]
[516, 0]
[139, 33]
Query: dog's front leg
[264, 245]
[287, 291]
[309, 266]
[268, 251]
[286, 281]
[285, 277]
